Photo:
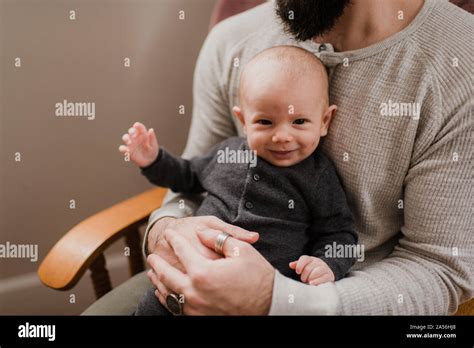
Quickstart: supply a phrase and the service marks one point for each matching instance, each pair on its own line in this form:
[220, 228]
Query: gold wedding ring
[219, 244]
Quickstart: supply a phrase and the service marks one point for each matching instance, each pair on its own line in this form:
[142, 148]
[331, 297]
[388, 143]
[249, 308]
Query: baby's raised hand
[140, 144]
[313, 270]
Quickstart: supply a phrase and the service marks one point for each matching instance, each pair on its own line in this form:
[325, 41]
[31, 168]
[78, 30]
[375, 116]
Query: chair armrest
[74, 253]
[467, 308]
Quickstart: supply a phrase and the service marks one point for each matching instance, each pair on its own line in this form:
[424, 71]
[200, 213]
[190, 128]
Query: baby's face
[284, 119]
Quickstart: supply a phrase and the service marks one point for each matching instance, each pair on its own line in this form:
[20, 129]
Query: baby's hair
[295, 61]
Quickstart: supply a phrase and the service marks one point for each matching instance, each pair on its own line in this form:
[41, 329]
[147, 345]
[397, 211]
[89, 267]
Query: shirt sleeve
[332, 229]
[178, 174]
[430, 271]
[211, 123]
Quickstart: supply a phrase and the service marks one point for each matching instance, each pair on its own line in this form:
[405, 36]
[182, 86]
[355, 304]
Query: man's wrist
[156, 231]
[268, 294]
[291, 297]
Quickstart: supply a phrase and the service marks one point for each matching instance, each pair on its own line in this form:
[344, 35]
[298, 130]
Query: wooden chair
[83, 246]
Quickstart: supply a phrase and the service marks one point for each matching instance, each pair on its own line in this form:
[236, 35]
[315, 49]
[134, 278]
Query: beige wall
[64, 158]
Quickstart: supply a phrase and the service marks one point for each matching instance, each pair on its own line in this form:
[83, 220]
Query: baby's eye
[264, 122]
[299, 121]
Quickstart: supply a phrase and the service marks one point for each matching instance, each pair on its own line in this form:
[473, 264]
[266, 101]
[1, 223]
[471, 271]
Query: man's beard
[311, 17]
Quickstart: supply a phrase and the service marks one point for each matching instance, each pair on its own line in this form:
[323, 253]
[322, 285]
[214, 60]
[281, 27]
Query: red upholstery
[227, 8]
[467, 5]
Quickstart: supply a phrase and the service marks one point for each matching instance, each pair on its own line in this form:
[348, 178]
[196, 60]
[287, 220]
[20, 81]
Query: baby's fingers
[325, 278]
[152, 142]
[302, 262]
[132, 132]
[123, 149]
[138, 134]
[126, 139]
[321, 274]
[140, 128]
[315, 273]
[308, 270]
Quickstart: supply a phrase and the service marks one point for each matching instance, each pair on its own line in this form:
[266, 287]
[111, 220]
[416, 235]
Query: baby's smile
[284, 106]
[282, 154]
[281, 138]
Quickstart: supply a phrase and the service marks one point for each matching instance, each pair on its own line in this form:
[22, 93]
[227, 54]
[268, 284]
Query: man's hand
[313, 270]
[187, 227]
[239, 284]
[141, 145]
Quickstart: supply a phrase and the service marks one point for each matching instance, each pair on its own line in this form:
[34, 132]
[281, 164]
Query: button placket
[251, 177]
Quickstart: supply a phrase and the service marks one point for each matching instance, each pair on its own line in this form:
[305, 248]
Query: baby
[292, 195]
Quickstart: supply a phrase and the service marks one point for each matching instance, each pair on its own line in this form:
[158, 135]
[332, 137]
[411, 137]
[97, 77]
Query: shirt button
[322, 48]
[248, 205]
[256, 177]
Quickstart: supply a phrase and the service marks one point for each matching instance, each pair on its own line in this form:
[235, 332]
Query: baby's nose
[281, 136]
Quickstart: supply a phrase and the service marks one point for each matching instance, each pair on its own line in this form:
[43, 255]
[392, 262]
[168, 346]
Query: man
[401, 74]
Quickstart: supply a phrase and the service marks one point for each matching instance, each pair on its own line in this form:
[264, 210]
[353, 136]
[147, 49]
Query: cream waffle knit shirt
[402, 143]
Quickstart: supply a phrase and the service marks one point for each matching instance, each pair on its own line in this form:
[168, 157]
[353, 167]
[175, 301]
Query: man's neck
[366, 22]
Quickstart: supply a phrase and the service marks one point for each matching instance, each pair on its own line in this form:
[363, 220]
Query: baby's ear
[238, 113]
[327, 118]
